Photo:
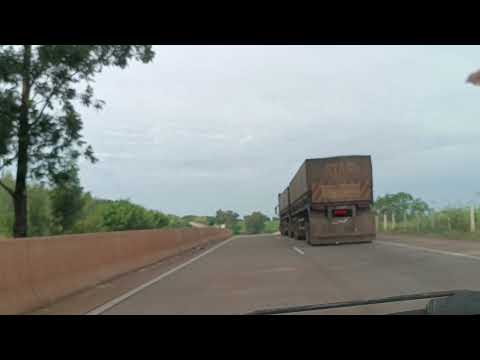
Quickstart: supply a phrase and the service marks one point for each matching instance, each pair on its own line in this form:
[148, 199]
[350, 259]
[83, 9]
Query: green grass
[451, 223]
[271, 227]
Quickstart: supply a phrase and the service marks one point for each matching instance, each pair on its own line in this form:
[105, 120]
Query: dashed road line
[99, 310]
[301, 252]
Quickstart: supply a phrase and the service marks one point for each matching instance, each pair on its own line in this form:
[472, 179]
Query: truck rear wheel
[307, 234]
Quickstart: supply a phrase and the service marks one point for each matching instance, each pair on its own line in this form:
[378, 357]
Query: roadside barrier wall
[36, 272]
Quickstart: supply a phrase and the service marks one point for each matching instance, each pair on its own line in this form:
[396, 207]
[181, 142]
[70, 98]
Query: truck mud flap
[343, 240]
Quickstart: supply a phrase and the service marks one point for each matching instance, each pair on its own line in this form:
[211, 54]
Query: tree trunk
[20, 227]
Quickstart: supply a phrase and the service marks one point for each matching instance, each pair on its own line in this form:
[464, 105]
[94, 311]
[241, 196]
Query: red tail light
[341, 212]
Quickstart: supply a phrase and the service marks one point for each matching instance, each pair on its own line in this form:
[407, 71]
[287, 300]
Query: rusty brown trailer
[284, 211]
[329, 201]
[283, 201]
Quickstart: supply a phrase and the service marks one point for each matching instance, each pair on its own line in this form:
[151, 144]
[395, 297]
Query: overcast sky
[209, 127]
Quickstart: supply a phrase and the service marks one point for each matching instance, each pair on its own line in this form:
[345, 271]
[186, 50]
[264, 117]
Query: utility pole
[432, 213]
[417, 221]
[472, 218]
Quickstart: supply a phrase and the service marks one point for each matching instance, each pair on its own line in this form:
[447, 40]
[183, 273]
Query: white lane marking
[116, 301]
[301, 252]
[429, 250]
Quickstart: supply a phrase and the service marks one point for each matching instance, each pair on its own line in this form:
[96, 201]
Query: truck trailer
[329, 201]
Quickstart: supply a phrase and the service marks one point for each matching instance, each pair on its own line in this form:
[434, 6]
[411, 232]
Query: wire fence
[458, 221]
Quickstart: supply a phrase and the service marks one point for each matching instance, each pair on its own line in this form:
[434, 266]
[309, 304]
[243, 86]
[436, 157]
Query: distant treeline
[403, 213]
[254, 223]
[65, 208]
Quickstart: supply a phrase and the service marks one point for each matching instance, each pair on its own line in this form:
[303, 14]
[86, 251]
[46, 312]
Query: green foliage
[41, 87]
[57, 74]
[94, 215]
[272, 226]
[91, 218]
[6, 208]
[67, 201]
[255, 222]
[238, 227]
[401, 203]
[178, 222]
[123, 215]
[452, 223]
[229, 218]
[40, 217]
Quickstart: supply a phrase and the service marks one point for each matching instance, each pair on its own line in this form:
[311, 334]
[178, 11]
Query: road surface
[248, 273]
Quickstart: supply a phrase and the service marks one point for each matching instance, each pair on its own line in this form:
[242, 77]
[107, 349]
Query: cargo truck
[329, 201]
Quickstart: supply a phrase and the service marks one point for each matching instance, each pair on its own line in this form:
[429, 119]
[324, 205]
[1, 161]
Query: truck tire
[307, 234]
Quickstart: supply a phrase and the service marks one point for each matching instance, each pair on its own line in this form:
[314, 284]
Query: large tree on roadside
[40, 129]
[67, 200]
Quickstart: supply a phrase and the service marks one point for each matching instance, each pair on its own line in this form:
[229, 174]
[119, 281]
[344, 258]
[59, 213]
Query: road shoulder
[86, 300]
[466, 247]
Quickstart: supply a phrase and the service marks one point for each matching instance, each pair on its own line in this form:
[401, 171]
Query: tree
[229, 218]
[178, 222]
[40, 129]
[6, 207]
[399, 204]
[123, 215]
[67, 200]
[158, 220]
[40, 217]
[91, 218]
[255, 222]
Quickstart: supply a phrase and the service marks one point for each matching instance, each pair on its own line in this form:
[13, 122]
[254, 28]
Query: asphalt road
[248, 273]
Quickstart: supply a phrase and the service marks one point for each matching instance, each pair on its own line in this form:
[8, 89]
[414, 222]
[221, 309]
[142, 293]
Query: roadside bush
[123, 215]
[272, 226]
[255, 222]
[450, 222]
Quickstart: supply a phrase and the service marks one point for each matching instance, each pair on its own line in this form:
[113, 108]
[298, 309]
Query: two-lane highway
[247, 273]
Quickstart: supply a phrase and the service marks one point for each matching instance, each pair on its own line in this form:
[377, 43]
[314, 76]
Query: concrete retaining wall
[35, 272]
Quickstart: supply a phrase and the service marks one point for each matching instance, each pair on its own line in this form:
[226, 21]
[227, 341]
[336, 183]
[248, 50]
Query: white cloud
[103, 155]
[245, 139]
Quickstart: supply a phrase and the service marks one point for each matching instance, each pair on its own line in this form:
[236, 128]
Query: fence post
[393, 221]
[385, 221]
[472, 219]
[417, 221]
[376, 223]
[449, 224]
[433, 220]
[405, 220]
